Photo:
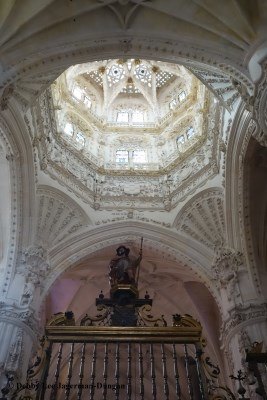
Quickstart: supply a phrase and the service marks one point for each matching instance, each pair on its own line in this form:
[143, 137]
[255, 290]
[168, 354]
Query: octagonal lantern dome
[129, 134]
[132, 113]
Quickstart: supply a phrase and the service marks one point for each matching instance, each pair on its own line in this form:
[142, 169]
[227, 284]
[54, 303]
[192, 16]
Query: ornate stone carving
[7, 93]
[34, 268]
[6, 138]
[20, 316]
[15, 353]
[219, 83]
[247, 98]
[58, 216]
[242, 315]
[157, 190]
[244, 342]
[260, 108]
[226, 265]
[251, 128]
[203, 218]
[131, 214]
[164, 44]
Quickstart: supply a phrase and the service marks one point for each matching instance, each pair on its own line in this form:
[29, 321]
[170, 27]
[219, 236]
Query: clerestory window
[180, 140]
[77, 93]
[122, 156]
[190, 132]
[123, 116]
[139, 156]
[80, 138]
[68, 129]
[137, 116]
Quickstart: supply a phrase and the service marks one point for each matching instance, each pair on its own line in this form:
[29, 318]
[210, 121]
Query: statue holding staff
[123, 268]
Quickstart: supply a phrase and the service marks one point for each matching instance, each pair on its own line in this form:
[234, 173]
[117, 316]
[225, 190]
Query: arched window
[180, 140]
[122, 156]
[182, 96]
[68, 129]
[87, 101]
[77, 93]
[173, 104]
[139, 156]
[123, 116]
[176, 100]
[80, 138]
[190, 132]
[137, 116]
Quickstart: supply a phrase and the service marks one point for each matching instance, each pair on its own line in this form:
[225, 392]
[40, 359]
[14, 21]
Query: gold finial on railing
[61, 318]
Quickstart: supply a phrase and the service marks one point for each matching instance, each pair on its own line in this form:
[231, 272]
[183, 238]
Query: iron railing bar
[153, 373]
[176, 373]
[141, 372]
[105, 372]
[92, 380]
[117, 372]
[200, 371]
[189, 381]
[129, 372]
[69, 376]
[55, 385]
[43, 381]
[81, 373]
[164, 372]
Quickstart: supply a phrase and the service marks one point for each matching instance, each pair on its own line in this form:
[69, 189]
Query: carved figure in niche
[123, 268]
[27, 295]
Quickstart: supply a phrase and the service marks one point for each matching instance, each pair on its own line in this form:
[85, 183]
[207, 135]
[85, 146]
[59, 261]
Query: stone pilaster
[244, 320]
[244, 325]
[18, 335]
[19, 321]
[227, 266]
[260, 108]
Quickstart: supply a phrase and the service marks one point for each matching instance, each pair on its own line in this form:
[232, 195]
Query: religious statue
[123, 268]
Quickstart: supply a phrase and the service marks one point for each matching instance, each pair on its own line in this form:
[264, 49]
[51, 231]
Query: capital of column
[34, 265]
[31, 273]
[242, 316]
[19, 331]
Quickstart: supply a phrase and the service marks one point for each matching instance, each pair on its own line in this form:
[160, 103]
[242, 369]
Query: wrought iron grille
[123, 363]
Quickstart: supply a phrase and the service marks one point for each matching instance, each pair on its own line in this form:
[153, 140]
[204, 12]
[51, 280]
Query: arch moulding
[42, 71]
[184, 251]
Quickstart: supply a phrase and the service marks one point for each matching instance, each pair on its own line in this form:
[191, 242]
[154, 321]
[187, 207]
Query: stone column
[260, 108]
[19, 319]
[245, 325]
[18, 336]
[244, 317]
